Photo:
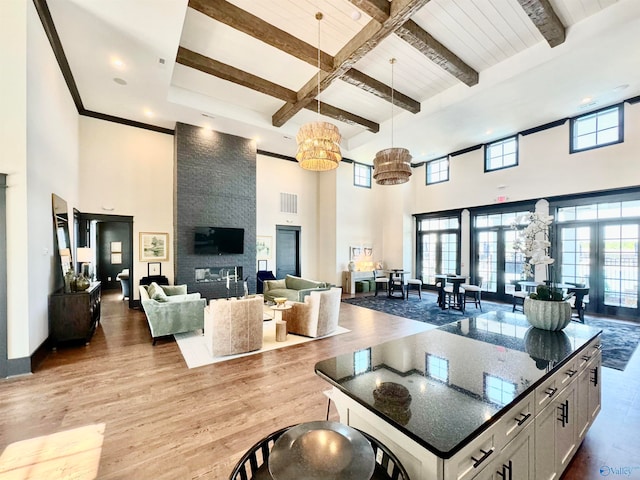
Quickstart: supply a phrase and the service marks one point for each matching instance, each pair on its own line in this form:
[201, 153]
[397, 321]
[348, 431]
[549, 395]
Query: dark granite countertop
[460, 377]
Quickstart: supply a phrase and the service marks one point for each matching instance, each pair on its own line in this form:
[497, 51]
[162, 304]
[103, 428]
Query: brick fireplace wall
[215, 186]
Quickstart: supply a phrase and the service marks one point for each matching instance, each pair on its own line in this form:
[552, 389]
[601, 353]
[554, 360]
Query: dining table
[456, 281]
[396, 282]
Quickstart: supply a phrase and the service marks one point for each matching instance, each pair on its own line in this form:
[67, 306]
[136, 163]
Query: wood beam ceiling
[546, 20]
[221, 70]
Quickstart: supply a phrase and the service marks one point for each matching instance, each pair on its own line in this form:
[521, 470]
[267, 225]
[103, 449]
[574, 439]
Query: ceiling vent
[288, 203]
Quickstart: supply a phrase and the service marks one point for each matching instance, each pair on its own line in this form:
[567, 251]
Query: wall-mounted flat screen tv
[218, 240]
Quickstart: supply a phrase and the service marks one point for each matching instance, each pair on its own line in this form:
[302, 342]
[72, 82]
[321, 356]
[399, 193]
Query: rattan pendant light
[318, 142]
[392, 166]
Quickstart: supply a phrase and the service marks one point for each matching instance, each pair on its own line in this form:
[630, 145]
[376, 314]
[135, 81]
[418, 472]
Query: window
[497, 390]
[501, 154]
[437, 368]
[361, 175]
[438, 247]
[597, 129]
[437, 171]
[362, 361]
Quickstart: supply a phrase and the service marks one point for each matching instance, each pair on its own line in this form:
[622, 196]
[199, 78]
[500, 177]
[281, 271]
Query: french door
[438, 247]
[603, 256]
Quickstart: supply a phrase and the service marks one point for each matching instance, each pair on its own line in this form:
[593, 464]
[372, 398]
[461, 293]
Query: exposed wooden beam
[361, 44]
[379, 89]
[245, 22]
[344, 116]
[545, 19]
[378, 10]
[422, 41]
[218, 69]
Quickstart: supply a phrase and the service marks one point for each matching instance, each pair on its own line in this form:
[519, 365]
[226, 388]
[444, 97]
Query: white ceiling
[523, 81]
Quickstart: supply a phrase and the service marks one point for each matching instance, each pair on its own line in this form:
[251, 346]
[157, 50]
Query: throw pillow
[156, 293]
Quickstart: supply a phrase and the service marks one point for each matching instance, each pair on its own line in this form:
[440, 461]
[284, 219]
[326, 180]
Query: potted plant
[546, 308]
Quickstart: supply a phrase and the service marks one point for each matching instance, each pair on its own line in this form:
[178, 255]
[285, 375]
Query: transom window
[437, 368]
[361, 175]
[597, 129]
[437, 171]
[501, 154]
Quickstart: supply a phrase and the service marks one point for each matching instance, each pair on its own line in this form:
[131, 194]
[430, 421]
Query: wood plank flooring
[161, 420]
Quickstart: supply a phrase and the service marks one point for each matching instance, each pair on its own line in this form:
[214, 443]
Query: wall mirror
[62, 239]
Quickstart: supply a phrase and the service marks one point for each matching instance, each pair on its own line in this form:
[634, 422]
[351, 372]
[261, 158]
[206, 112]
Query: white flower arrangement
[533, 241]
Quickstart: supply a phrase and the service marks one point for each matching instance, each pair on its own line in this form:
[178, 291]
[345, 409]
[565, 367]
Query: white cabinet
[589, 394]
[515, 462]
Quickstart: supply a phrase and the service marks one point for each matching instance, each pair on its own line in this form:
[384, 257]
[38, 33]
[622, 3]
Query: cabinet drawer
[515, 421]
[466, 464]
[590, 351]
[555, 384]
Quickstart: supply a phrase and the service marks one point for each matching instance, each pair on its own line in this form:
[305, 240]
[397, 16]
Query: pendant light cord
[319, 18]
[392, 61]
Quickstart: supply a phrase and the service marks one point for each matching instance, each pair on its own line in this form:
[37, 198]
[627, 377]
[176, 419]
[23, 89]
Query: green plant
[546, 293]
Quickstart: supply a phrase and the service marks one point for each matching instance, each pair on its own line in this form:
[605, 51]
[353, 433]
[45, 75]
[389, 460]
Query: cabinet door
[566, 427]
[516, 462]
[545, 451]
[582, 414]
[595, 387]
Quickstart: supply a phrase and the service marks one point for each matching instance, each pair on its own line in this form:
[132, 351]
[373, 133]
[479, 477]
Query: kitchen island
[488, 397]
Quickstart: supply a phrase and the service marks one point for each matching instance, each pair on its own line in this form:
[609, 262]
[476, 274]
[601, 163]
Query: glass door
[619, 269]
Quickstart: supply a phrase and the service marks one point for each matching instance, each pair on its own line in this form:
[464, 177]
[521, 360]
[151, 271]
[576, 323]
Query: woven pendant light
[318, 142]
[392, 166]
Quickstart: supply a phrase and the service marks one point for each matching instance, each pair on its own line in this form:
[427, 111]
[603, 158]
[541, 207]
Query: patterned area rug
[619, 339]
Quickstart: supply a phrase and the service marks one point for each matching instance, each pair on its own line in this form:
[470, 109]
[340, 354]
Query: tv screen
[218, 240]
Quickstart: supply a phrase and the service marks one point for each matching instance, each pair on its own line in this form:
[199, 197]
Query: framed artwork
[263, 247]
[262, 265]
[154, 246]
[154, 269]
[116, 258]
[116, 247]
[355, 253]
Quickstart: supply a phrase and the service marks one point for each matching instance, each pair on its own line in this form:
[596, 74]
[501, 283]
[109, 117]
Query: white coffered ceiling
[523, 82]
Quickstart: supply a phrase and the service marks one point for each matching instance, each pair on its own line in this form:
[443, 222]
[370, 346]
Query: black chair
[579, 303]
[256, 458]
[255, 461]
[387, 464]
[518, 296]
[263, 275]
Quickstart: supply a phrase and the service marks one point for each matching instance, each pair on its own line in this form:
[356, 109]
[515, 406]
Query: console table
[481, 398]
[74, 316]
[349, 279]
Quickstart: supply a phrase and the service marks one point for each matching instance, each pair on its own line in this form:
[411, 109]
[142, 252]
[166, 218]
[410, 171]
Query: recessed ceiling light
[117, 63]
[488, 132]
[148, 112]
[620, 88]
[586, 100]
[120, 81]
[355, 15]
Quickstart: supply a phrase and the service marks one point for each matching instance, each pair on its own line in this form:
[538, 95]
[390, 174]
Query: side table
[281, 325]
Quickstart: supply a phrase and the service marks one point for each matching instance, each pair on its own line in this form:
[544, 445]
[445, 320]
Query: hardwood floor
[133, 411]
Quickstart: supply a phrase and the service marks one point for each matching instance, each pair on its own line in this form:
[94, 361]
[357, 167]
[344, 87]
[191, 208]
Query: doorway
[287, 251]
[4, 358]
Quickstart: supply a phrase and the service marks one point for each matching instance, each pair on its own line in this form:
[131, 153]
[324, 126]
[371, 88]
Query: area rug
[196, 354]
[619, 339]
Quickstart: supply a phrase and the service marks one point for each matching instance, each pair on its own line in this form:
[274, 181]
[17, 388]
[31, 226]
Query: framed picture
[154, 246]
[263, 247]
[116, 247]
[116, 258]
[355, 253]
[154, 269]
[262, 265]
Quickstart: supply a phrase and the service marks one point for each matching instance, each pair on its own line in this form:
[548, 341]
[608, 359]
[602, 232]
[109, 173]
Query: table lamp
[85, 257]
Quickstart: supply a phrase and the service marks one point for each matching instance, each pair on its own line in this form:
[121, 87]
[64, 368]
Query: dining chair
[381, 280]
[518, 296]
[256, 458]
[472, 293]
[578, 302]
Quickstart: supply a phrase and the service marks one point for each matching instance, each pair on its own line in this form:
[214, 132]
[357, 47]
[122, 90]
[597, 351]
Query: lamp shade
[392, 166]
[318, 146]
[85, 254]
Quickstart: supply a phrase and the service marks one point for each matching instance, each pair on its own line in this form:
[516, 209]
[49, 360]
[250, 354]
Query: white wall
[545, 169]
[39, 137]
[129, 171]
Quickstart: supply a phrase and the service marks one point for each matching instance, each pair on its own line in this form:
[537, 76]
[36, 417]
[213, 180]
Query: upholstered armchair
[234, 326]
[317, 316]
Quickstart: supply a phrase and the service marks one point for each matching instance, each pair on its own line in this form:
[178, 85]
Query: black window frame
[355, 177]
[426, 170]
[516, 139]
[574, 120]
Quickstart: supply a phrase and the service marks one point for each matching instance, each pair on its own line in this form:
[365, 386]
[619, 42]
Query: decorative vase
[547, 315]
[352, 266]
[69, 281]
[82, 283]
